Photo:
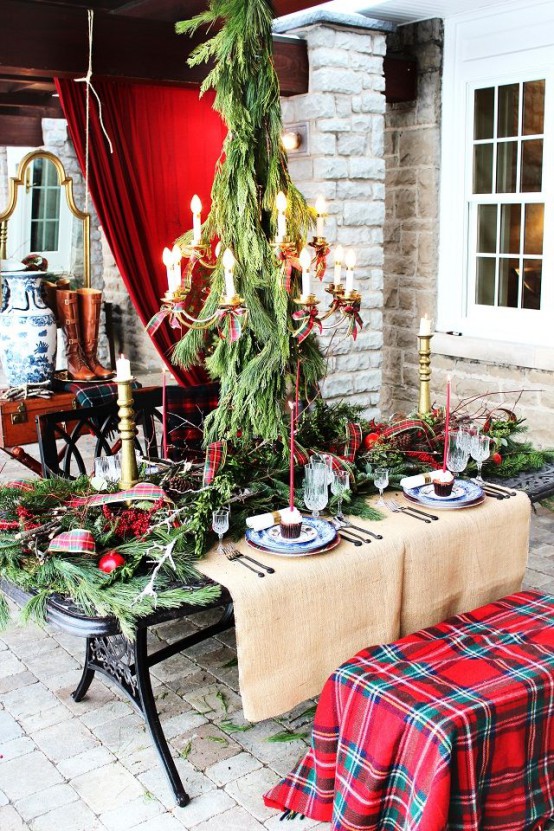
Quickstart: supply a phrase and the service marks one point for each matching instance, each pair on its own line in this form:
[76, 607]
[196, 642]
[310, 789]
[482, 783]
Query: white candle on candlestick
[339, 254]
[123, 367]
[196, 208]
[321, 208]
[425, 325]
[167, 259]
[176, 258]
[281, 203]
[305, 260]
[229, 265]
[350, 263]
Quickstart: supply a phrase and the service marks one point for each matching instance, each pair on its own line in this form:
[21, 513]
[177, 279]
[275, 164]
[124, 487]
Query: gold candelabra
[424, 349]
[126, 413]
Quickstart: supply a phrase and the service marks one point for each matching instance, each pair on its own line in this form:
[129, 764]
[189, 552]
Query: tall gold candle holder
[126, 413]
[424, 348]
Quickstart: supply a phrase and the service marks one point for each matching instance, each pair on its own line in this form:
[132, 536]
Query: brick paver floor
[90, 766]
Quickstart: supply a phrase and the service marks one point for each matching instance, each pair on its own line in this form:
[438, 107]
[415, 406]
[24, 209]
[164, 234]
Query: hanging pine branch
[256, 371]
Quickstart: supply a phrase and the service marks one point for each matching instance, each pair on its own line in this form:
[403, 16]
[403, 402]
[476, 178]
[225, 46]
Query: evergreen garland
[256, 372]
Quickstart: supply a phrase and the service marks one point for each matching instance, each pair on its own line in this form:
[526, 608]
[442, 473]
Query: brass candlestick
[129, 467]
[424, 348]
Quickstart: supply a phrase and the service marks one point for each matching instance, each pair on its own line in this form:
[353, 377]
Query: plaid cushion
[186, 409]
[449, 728]
[90, 394]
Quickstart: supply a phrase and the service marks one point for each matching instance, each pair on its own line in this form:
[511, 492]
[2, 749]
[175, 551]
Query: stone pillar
[344, 110]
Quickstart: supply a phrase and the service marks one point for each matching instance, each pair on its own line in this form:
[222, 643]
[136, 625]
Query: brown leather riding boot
[68, 315]
[50, 294]
[90, 301]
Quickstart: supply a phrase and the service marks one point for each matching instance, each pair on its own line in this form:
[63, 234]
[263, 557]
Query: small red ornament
[110, 561]
[370, 440]
[496, 458]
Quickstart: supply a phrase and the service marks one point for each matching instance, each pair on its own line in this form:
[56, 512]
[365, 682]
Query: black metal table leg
[86, 677]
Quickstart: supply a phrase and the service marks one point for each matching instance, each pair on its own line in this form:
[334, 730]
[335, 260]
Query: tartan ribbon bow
[234, 324]
[322, 252]
[353, 312]
[77, 541]
[166, 311]
[289, 261]
[216, 454]
[353, 440]
[308, 319]
[144, 491]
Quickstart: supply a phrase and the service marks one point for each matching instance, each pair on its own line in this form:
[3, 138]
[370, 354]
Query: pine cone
[177, 485]
[403, 441]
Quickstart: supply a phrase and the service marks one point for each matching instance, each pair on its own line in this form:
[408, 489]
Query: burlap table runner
[296, 626]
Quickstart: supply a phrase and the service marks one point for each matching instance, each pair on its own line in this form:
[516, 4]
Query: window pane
[482, 169]
[533, 108]
[508, 110]
[531, 165]
[506, 167]
[39, 172]
[532, 277]
[510, 227]
[484, 288]
[508, 283]
[486, 229]
[483, 113]
[534, 228]
[52, 203]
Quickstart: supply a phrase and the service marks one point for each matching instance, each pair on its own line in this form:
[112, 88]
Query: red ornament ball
[110, 561]
[496, 458]
[370, 440]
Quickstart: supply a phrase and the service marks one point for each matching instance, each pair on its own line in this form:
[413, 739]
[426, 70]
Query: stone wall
[412, 156]
[344, 110]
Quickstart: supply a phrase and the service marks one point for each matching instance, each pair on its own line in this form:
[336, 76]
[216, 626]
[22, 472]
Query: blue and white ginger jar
[27, 329]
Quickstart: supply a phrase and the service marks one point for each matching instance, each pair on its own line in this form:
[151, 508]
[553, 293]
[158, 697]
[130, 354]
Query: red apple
[110, 561]
[370, 440]
[496, 458]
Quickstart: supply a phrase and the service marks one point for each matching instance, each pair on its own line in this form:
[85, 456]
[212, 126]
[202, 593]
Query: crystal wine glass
[381, 481]
[457, 454]
[480, 451]
[220, 524]
[315, 488]
[339, 486]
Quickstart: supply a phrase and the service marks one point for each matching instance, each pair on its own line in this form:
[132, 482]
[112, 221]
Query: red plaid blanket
[449, 728]
[186, 409]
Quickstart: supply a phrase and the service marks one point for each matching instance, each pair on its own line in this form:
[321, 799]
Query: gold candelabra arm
[424, 349]
[126, 413]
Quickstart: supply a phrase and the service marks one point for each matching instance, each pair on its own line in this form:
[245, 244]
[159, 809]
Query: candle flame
[196, 204]
[321, 206]
[281, 202]
[167, 257]
[291, 405]
[176, 254]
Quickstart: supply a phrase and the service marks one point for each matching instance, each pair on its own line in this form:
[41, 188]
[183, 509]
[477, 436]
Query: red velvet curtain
[166, 142]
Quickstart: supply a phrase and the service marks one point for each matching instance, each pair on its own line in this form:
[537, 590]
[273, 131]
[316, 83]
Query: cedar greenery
[257, 372]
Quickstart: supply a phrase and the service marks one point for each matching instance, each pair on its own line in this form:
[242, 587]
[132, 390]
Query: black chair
[88, 432]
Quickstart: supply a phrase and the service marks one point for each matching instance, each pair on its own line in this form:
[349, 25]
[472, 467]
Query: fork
[341, 523]
[234, 554]
[347, 524]
[399, 509]
[239, 554]
[414, 510]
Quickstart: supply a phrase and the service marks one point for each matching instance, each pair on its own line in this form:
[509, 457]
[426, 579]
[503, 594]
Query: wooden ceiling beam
[52, 40]
[20, 131]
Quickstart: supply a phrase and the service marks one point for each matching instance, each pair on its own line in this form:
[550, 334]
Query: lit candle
[291, 466]
[281, 203]
[425, 324]
[305, 260]
[339, 254]
[164, 412]
[350, 263]
[123, 367]
[229, 264]
[176, 258]
[321, 208]
[446, 421]
[167, 259]
[196, 208]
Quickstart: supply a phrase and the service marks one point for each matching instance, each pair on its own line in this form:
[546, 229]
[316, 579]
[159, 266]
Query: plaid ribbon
[166, 311]
[20, 484]
[144, 491]
[216, 453]
[77, 541]
[405, 426]
[234, 327]
[301, 455]
[352, 311]
[321, 254]
[289, 261]
[353, 440]
[308, 319]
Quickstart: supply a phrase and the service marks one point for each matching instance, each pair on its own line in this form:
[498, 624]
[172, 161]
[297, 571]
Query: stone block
[334, 125]
[355, 189]
[374, 82]
[288, 108]
[404, 203]
[322, 144]
[370, 64]
[336, 80]
[363, 123]
[330, 168]
[377, 143]
[372, 102]
[319, 36]
[300, 168]
[315, 105]
[324, 56]
[367, 381]
[343, 104]
[364, 213]
[367, 168]
[355, 42]
[419, 147]
[351, 144]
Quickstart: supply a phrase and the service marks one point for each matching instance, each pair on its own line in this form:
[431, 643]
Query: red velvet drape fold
[166, 143]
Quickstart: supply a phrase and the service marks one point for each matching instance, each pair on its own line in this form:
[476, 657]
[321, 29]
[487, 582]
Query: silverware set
[354, 534]
[233, 554]
[409, 510]
[496, 491]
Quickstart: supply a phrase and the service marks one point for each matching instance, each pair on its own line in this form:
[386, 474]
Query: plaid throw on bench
[449, 728]
[91, 395]
[186, 409]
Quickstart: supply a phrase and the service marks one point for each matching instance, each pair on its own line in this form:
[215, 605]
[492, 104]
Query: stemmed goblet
[457, 454]
[480, 450]
[220, 524]
[315, 487]
[339, 486]
[381, 481]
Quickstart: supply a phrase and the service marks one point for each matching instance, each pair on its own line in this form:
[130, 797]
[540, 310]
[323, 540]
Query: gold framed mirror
[40, 217]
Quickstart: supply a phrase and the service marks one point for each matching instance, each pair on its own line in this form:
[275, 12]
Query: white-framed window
[496, 273]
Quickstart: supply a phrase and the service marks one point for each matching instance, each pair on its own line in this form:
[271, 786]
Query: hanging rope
[86, 80]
